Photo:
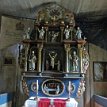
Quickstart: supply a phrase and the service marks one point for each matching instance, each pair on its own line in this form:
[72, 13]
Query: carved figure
[74, 59]
[52, 56]
[79, 33]
[58, 65]
[81, 88]
[57, 89]
[27, 34]
[46, 88]
[41, 33]
[67, 32]
[47, 64]
[54, 36]
[85, 60]
[32, 61]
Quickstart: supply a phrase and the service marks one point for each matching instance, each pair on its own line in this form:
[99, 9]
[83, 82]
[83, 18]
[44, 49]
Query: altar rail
[100, 101]
[6, 100]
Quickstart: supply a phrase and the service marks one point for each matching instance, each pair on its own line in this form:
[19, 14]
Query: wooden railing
[100, 101]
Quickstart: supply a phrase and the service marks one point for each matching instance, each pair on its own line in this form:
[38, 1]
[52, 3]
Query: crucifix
[52, 57]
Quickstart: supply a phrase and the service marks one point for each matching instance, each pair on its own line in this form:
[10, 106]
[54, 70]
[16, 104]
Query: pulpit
[53, 59]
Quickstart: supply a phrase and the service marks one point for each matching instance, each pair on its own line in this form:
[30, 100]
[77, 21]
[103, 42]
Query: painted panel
[65, 82]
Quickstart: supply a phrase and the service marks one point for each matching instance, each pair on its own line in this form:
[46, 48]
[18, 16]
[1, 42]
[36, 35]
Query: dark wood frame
[60, 56]
[100, 71]
[9, 61]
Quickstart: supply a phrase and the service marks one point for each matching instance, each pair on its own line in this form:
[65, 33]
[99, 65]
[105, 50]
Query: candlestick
[37, 87]
[69, 88]
[69, 85]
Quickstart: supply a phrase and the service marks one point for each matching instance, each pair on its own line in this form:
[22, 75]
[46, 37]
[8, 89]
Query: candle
[69, 86]
[37, 86]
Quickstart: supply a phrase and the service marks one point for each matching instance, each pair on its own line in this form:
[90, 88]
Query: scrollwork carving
[85, 60]
[25, 87]
[81, 88]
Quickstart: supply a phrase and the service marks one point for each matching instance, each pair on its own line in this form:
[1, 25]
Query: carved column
[67, 49]
[80, 56]
[26, 46]
[40, 47]
[62, 29]
[46, 27]
[36, 28]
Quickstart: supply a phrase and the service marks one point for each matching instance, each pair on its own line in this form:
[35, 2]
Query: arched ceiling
[91, 15]
[26, 8]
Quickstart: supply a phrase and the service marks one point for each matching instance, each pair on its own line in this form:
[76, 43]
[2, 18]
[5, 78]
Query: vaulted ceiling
[27, 8]
[91, 15]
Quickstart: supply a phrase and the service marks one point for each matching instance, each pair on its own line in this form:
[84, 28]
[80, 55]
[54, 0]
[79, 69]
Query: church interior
[53, 53]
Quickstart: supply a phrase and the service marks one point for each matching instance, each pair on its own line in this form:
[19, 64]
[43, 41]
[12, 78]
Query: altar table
[50, 102]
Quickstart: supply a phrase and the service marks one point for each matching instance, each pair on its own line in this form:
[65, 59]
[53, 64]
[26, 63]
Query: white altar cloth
[31, 102]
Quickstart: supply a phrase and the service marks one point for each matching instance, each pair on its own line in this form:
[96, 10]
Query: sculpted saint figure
[67, 32]
[79, 33]
[75, 60]
[41, 33]
[32, 61]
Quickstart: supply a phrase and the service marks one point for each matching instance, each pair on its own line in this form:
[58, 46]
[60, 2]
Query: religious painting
[53, 87]
[100, 71]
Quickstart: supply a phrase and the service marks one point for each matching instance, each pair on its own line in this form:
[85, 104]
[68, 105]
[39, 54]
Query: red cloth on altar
[44, 103]
[56, 103]
[59, 103]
